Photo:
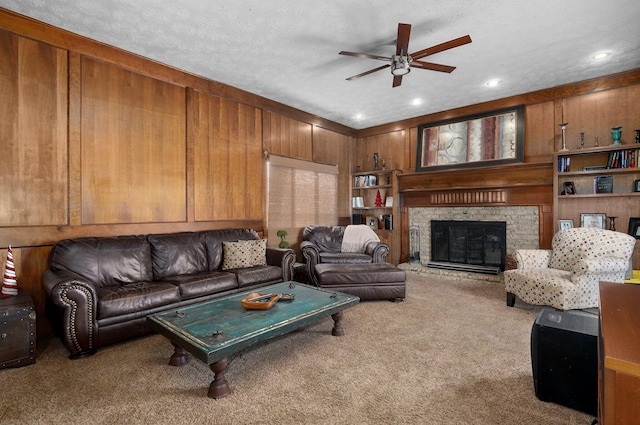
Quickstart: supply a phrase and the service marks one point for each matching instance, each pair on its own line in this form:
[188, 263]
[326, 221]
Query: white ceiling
[288, 51]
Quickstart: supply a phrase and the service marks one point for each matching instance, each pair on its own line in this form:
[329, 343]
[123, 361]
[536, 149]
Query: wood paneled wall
[97, 141]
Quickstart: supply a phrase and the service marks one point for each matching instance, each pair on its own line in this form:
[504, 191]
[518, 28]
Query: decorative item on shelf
[375, 161]
[565, 224]
[378, 202]
[603, 184]
[372, 221]
[10, 281]
[596, 140]
[634, 227]
[612, 222]
[616, 135]
[388, 202]
[358, 202]
[636, 186]
[593, 220]
[582, 140]
[282, 234]
[358, 168]
[384, 164]
[569, 188]
[563, 127]
[637, 136]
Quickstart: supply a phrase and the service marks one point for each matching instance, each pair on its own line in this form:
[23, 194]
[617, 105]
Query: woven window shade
[300, 193]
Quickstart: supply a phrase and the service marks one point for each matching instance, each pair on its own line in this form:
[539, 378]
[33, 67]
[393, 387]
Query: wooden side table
[17, 331]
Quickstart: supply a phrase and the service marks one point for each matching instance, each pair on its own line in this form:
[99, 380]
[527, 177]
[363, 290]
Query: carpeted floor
[452, 353]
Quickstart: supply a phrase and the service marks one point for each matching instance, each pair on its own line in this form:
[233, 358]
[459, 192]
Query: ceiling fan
[402, 61]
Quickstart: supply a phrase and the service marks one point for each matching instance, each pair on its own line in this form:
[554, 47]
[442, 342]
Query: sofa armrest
[76, 301]
[378, 251]
[311, 254]
[532, 258]
[284, 258]
[600, 266]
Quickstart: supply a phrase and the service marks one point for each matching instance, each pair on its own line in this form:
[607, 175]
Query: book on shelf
[603, 184]
[564, 164]
[625, 158]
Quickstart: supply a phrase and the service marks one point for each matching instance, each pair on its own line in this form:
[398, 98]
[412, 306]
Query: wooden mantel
[520, 184]
[525, 184]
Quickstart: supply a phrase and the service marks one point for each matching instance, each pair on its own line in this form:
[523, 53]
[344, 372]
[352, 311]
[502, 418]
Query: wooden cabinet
[619, 354]
[375, 199]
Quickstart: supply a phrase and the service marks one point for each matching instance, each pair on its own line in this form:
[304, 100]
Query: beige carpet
[452, 353]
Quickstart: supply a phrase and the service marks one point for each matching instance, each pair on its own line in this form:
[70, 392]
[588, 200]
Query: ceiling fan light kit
[400, 63]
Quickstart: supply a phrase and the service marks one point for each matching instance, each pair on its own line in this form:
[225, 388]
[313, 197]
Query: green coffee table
[214, 330]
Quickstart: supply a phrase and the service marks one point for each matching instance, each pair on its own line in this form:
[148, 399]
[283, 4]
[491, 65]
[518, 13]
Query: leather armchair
[323, 244]
[567, 276]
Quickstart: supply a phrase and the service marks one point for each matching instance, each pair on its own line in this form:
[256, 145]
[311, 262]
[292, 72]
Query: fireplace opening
[475, 246]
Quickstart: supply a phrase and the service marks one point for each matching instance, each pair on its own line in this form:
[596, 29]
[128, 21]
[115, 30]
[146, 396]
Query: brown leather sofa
[323, 244]
[100, 289]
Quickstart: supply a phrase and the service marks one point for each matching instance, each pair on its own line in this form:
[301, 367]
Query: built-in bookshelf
[374, 203]
[602, 180]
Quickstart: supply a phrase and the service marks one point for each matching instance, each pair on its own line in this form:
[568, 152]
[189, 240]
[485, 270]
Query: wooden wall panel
[595, 114]
[33, 132]
[539, 131]
[133, 147]
[287, 137]
[330, 147]
[228, 161]
[393, 147]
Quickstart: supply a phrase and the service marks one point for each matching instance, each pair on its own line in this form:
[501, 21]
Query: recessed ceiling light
[599, 56]
[416, 102]
[359, 116]
[492, 83]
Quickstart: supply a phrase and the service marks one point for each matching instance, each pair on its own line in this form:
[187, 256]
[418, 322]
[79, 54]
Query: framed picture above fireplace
[490, 138]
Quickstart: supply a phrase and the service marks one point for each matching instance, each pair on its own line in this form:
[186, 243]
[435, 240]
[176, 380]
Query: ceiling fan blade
[402, 43]
[368, 72]
[397, 80]
[432, 66]
[442, 47]
[366, 56]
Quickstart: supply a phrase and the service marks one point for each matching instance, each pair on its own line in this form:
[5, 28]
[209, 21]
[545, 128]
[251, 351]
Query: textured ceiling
[288, 51]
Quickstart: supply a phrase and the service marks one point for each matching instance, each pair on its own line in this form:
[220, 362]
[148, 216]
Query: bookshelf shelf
[583, 169]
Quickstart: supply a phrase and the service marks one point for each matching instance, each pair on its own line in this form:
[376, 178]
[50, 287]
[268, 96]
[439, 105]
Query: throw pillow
[246, 253]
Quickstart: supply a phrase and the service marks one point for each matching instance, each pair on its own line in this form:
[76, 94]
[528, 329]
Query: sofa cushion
[106, 261]
[197, 285]
[241, 254]
[326, 238]
[344, 257]
[178, 254]
[135, 297]
[250, 276]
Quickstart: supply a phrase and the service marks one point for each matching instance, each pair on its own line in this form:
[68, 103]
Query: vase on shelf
[616, 135]
[637, 136]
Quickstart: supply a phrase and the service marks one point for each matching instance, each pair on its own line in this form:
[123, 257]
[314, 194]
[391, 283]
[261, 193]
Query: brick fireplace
[520, 195]
[522, 224]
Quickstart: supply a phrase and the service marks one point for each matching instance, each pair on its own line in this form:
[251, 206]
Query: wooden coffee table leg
[180, 356]
[337, 324]
[219, 386]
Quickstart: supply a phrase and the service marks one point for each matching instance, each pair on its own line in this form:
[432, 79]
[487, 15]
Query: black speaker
[564, 358]
[357, 219]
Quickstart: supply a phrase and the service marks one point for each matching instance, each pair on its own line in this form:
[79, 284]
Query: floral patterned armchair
[567, 276]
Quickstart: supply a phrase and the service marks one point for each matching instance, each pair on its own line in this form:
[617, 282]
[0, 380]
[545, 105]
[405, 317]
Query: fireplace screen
[468, 245]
